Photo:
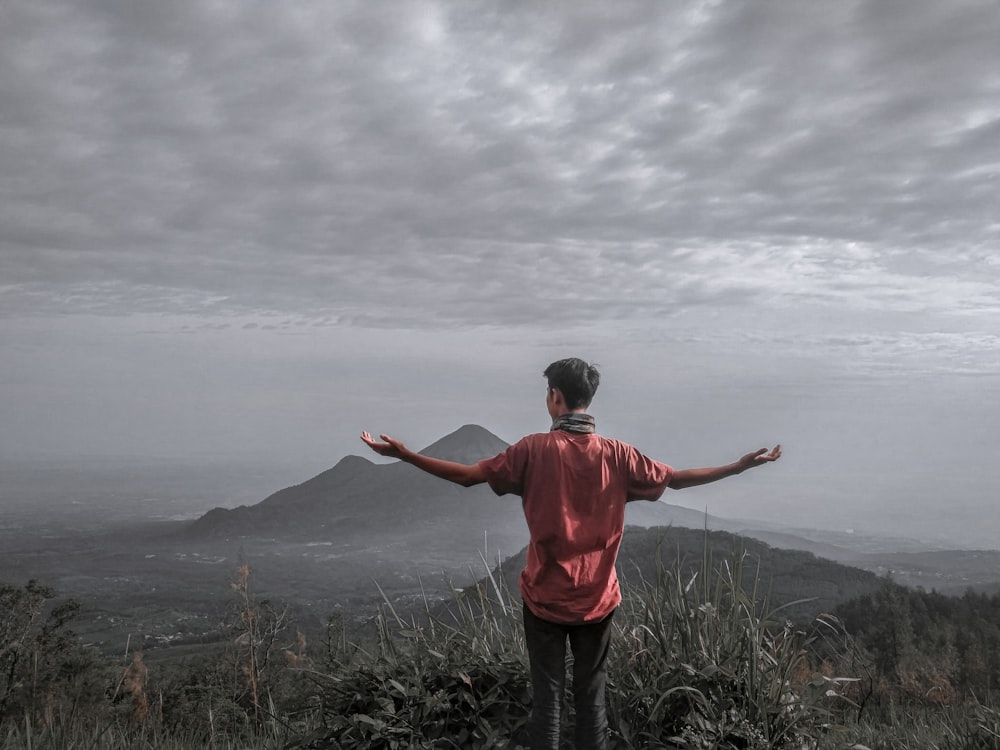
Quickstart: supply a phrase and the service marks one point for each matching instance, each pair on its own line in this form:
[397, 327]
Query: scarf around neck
[574, 422]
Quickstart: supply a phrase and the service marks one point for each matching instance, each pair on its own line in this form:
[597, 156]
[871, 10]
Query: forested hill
[780, 576]
[939, 647]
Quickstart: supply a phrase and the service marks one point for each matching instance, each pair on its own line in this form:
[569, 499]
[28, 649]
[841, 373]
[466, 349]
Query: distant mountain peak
[351, 460]
[358, 497]
[468, 444]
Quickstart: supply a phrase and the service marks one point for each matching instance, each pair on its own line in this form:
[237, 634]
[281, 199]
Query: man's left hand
[759, 458]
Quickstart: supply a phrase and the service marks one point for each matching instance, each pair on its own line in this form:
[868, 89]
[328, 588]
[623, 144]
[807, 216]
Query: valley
[343, 542]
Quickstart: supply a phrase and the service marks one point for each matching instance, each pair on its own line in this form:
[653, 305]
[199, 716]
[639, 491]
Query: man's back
[574, 488]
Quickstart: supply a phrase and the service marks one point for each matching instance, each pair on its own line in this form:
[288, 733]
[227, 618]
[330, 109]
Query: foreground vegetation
[700, 660]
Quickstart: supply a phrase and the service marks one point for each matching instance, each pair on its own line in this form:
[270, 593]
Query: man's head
[576, 380]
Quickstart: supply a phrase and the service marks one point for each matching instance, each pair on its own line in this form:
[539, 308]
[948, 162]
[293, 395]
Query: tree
[42, 664]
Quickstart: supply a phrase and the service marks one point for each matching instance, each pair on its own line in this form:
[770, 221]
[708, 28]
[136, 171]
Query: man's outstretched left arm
[466, 475]
[684, 478]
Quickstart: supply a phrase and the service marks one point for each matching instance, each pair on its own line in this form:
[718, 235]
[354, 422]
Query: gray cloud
[443, 165]
[257, 226]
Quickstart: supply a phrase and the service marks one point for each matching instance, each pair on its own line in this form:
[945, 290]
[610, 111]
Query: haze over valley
[141, 547]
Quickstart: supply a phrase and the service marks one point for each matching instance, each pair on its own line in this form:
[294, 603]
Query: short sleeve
[505, 471]
[647, 479]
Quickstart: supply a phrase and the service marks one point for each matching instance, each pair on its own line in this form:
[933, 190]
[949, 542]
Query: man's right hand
[389, 448]
[463, 474]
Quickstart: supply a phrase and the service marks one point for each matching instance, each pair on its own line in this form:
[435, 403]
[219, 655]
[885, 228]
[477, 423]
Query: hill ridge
[469, 443]
[358, 497]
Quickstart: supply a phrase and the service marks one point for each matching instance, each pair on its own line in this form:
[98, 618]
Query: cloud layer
[262, 227]
[463, 164]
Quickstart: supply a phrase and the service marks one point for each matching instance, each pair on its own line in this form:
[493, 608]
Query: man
[573, 485]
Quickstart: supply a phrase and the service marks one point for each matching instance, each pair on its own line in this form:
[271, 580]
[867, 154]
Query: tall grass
[454, 677]
[699, 662]
[695, 666]
[971, 726]
[692, 666]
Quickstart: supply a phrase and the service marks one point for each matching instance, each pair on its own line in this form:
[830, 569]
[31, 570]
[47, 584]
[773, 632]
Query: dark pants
[546, 643]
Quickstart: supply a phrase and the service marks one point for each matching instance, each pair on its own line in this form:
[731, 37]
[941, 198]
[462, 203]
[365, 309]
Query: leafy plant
[455, 679]
[695, 667]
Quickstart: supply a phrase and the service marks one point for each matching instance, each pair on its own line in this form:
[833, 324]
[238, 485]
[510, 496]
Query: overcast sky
[256, 229]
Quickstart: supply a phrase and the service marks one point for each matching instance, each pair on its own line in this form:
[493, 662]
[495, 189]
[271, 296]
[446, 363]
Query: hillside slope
[361, 503]
[800, 582]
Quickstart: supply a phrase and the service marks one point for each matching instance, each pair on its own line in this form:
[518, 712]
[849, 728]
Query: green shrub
[458, 680]
[45, 673]
[698, 661]
[692, 666]
[695, 667]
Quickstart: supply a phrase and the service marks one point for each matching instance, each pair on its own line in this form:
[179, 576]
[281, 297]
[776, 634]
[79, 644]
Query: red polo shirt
[573, 489]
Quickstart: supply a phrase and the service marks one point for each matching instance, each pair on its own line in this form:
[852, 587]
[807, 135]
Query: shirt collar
[577, 422]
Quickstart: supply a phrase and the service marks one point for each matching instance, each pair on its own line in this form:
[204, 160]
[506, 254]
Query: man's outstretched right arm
[466, 475]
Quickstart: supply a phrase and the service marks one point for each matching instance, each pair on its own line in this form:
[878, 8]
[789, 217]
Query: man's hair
[576, 379]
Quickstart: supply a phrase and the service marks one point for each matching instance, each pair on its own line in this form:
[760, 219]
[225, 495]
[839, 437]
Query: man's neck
[575, 421]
